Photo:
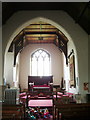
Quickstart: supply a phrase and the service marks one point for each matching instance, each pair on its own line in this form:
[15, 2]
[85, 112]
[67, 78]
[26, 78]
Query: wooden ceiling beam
[40, 28]
[39, 36]
[40, 41]
[29, 36]
[40, 32]
[40, 24]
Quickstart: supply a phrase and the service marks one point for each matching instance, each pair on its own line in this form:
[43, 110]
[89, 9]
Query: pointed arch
[40, 63]
[36, 20]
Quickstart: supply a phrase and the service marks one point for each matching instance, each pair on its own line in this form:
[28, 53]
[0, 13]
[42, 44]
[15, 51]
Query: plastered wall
[56, 62]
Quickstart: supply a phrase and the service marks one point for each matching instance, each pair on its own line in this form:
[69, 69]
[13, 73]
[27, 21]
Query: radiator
[10, 96]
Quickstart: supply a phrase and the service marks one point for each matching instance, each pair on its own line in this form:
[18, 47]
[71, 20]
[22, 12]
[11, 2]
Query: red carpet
[41, 103]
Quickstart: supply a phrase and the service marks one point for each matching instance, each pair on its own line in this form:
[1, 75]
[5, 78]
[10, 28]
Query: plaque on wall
[72, 71]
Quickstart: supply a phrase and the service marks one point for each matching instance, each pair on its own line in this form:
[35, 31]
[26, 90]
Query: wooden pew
[72, 111]
[13, 112]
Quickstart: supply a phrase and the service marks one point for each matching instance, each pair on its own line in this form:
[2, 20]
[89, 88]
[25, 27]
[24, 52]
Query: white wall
[62, 21]
[16, 70]
[56, 62]
[8, 73]
[11, 72]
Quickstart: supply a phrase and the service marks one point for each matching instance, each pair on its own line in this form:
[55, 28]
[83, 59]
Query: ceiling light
[40, 38]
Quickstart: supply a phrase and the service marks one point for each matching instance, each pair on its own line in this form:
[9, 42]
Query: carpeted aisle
[41, 103]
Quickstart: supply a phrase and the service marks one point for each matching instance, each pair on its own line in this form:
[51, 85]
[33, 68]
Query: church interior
[45, 61]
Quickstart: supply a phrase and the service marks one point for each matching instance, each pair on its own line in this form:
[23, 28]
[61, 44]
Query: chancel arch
[56, 34]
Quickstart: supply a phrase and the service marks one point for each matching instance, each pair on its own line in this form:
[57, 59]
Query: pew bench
[11, 112]
[72, 111]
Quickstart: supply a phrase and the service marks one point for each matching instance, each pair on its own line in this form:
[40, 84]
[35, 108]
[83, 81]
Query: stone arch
[36, 20]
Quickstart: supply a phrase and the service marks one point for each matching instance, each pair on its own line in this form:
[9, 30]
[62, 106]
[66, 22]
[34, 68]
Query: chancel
[45, 61]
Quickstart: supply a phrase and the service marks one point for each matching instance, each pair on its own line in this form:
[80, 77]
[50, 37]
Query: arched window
[40, 63]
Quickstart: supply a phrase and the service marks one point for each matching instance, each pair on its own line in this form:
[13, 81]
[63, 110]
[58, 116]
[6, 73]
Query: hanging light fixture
[40, 37]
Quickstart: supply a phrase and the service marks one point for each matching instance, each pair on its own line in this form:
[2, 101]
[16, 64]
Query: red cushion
[65, 95]
[22, 94]
[69, 93]
[24, 97]
[57, 96]
[40, 86]
[59, 93]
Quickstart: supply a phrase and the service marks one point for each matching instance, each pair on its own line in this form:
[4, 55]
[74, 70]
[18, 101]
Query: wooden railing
[13, 112]
[72, 111]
